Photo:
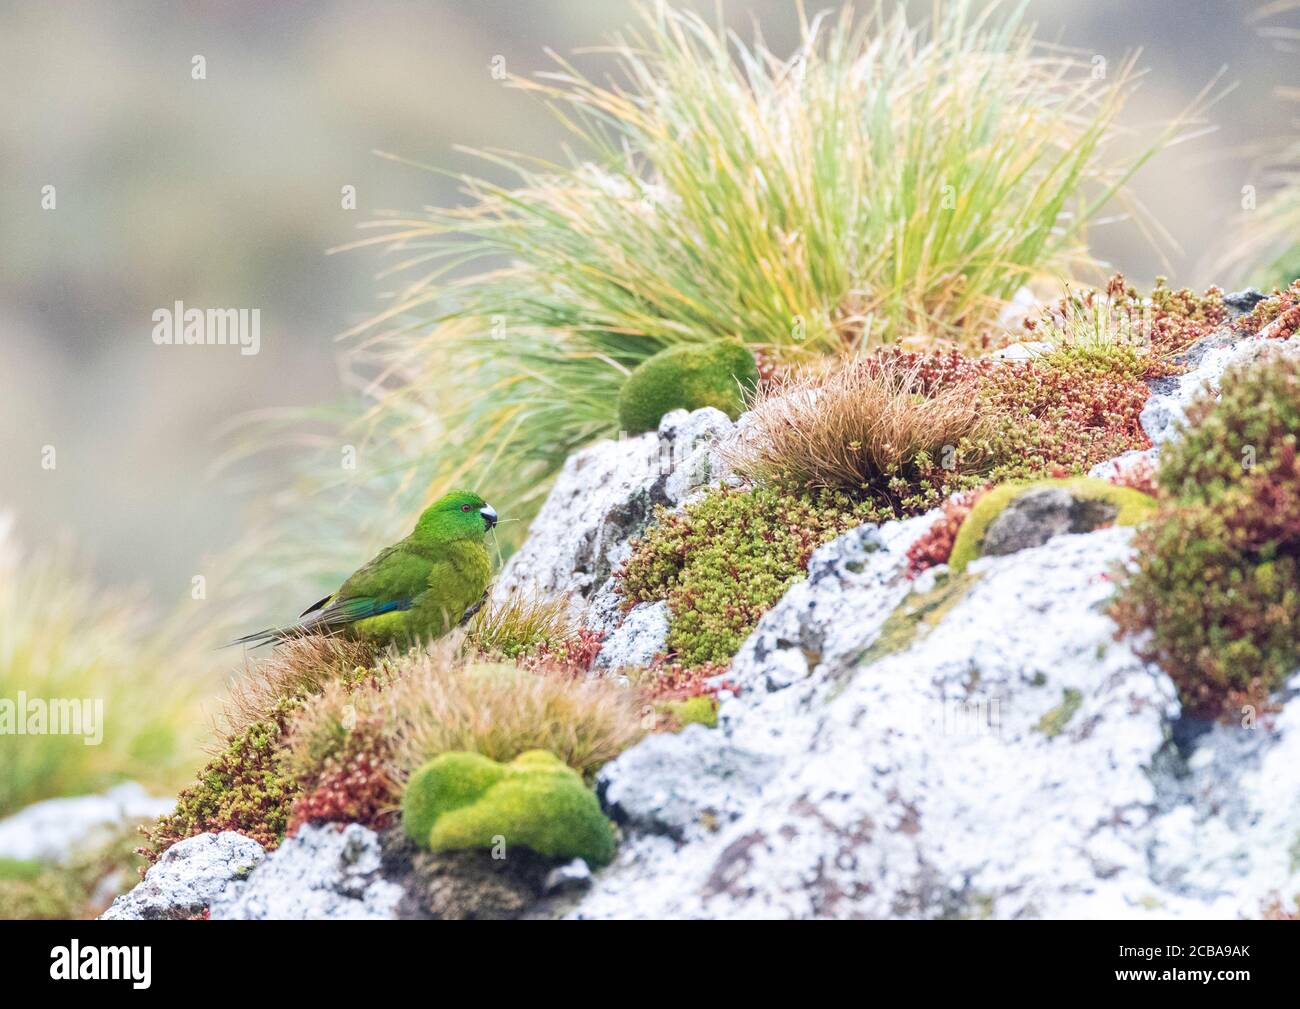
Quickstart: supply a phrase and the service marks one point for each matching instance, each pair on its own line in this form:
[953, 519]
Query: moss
[1053, 723]
[724, 560]
[246, 788]
[717, 374]
[916, 615]
[1214, 591]
[464, 800]
[700, 710]
[1133, 507]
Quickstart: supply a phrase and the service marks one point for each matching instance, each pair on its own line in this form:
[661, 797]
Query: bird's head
[460, 515]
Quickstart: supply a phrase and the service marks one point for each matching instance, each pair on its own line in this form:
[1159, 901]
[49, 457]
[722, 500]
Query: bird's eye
[464, 508]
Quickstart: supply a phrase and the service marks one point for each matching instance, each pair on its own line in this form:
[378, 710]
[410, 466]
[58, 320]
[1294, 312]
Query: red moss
[1280, 315]
[1158, 328]
[1140, 477]
[358, 790]
[574, 656]
[672, 681]
[934, 547]
[1062, 415]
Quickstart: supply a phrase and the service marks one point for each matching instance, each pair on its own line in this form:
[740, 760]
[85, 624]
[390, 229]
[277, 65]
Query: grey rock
[642, 635]
[1037, 515]
[322, 872]
[918, 784]
[853, 581]
[693, 442]
[56, 830]
[191, 875]
[683, 784]
[1243, 302]
[1160, 417]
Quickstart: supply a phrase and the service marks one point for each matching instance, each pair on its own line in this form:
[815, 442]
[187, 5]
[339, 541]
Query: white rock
[191, 875]
[923, 784]
[642, 635]
[603, 498]
[57, 829]
[1021, 352]
[322, 872]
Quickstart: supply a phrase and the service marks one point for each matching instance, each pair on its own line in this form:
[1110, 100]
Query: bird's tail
[271, 635]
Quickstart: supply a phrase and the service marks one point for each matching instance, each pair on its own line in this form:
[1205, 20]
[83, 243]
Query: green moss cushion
[465, 800]
[1129, 508]
[688, 377]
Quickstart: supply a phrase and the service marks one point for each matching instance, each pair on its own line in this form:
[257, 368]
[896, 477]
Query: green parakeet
[415, 590]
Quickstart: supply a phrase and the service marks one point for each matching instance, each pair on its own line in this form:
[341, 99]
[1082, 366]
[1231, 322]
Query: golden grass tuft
[437, 703]
[298, 667]
[861, 428]
[521, 624]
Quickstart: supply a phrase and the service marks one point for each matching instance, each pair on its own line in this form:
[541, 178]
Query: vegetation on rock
[1215, 585]
[465, 800]
[500, 711]
[719, 374]
[880, 430]
[724, 559]
[1131, 507]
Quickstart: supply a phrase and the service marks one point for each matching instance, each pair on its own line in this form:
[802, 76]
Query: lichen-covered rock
[717, 374]
[1013, 761]
[1165, 410]
[642, 635]
[603, 498]
[57, 829]
[683, 784]
[189, 877]
[1016, 516]
[321, 872]
[466, 800]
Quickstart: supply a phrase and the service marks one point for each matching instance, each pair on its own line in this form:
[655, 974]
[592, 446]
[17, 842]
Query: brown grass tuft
[297, 668]
[868, 427]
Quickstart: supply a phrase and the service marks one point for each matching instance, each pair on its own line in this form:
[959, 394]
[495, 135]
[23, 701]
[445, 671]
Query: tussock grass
[891, 180]
[298, 667]
[866, 428]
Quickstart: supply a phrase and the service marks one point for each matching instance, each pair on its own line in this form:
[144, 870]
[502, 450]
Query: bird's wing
[390, 581]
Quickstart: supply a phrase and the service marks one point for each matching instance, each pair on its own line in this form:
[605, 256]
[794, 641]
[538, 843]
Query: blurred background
[227, 191]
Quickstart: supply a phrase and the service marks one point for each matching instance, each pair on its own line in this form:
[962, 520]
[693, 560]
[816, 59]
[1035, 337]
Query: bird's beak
[489, 516]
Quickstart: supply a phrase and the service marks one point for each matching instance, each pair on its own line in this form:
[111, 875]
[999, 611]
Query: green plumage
[413, 591]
